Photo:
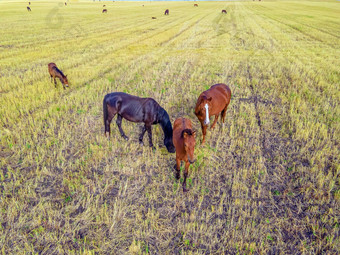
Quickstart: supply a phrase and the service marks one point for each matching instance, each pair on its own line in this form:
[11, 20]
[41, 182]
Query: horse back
[54, 71]
[220, 93]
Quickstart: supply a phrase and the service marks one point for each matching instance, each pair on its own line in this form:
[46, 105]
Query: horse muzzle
[206, 123]
[191, 161]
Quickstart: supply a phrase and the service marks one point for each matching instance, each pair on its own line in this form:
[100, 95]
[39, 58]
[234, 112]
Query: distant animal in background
[153, 18]
[166, 12]
[195, 5]
[56, 73]
[65, 4]
[104, 5]
[28, 9]
[212, 102]
[136, 109]
[29, 3]
[224, 11]
[184, 141]
[104, 11]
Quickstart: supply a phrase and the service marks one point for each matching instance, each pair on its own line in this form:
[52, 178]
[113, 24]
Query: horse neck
[60, 72]
[165, 123]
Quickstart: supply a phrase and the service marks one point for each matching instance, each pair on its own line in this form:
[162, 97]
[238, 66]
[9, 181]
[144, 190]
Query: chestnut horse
[224, 11]
[137, 109]
[184, 141]
[104, 11]
[212, 102]
[195, 5]
[166, 12]
[55, 72]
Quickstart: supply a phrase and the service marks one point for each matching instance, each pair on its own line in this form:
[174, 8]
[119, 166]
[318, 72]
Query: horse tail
[105, 110]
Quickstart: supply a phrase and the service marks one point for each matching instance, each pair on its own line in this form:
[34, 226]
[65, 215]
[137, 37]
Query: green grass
[266, 182]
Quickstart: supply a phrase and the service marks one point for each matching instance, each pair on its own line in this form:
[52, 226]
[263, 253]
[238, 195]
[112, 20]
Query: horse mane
[59, 71]
[164, 120]
[188, 131]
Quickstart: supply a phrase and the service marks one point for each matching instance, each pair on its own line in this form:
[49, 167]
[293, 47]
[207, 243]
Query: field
[266, 182]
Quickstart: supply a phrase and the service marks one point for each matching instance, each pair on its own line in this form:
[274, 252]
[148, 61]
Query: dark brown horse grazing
[195, 5]
[28, 9]
[184, 141]
[104, 11]
[153, 18]
[224, 11]
[56, 73]
[166, 12]
[212, 102]
[137, 109]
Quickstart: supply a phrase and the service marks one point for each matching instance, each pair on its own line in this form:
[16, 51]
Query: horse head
[65, 81]
[202, 109]
[189, 143]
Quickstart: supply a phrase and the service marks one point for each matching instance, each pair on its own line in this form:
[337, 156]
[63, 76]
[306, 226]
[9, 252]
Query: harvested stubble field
[267, 182]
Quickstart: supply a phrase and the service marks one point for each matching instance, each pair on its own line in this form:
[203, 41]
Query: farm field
[266, 182]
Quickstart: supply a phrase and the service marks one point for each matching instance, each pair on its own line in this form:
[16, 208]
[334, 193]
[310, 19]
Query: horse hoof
[126, 138]
[141, 143]
[185, 190]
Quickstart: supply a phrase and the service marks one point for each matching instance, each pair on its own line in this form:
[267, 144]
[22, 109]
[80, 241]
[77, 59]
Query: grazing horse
[153, 18]
[104, 11]
[136, 109]
[212, 102]
[65, 4]
[166, 12]
[224, 11]
[195, 5]
[28, 9]
[55, 72]
[104, 5]
[29, 3]
[184, 141]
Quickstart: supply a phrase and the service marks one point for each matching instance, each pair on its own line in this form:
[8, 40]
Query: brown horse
[65, 4]
[195, 5]
[104, 5]
[166, 12]
[28, 9]
[56, 73]
[153, 18]
[224, 11]
[184, 141]
[212, 102]
[104, 11]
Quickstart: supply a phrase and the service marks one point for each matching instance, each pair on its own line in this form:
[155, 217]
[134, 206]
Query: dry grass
[267, 182]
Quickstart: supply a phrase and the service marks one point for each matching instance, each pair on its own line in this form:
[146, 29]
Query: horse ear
[194, 133]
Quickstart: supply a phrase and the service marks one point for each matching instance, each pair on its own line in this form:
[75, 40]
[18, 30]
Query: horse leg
[187, 164]
[148, 128]
[223, 113]
[178, 168]
[204, 132]
[213, 125]
[55, 83]
[142, 135]
[119, 124]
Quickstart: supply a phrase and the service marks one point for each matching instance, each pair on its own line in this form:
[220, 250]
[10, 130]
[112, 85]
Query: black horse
[166, 12]
[137, 109]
